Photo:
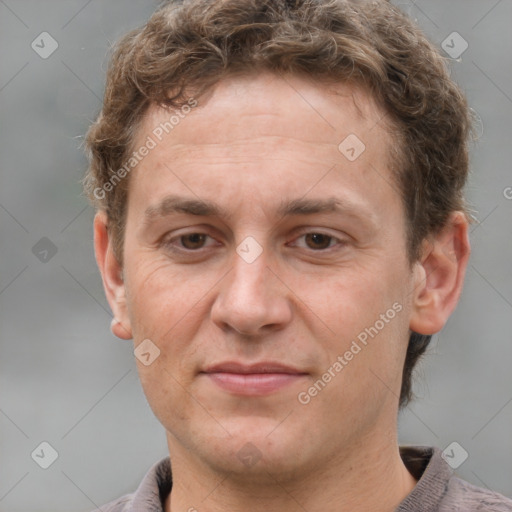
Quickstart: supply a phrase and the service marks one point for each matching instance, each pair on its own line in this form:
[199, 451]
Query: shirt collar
[156, 485]
[432, 472]
[424, 463]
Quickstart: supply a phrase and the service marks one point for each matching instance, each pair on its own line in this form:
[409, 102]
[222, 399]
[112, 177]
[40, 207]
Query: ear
[111, 274]
[439, 276]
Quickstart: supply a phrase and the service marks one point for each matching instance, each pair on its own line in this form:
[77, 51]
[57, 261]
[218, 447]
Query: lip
[252, 380]
[261, 367]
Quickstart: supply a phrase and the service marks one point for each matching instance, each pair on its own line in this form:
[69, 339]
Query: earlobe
[112, 276]
[439, 276]
[118, 330]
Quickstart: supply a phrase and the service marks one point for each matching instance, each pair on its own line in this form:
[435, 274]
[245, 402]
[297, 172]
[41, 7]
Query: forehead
[282, 105]
[268, 128]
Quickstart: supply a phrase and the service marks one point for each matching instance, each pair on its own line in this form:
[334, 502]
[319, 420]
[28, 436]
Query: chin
[260, 448]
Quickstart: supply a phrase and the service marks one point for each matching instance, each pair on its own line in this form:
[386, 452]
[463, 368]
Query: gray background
[66, 380]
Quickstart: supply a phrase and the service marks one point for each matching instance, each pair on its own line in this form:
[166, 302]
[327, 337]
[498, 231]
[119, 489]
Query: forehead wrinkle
[242, 152]
[272, 140]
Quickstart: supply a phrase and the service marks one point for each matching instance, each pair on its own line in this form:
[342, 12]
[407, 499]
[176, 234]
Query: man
[280, 229]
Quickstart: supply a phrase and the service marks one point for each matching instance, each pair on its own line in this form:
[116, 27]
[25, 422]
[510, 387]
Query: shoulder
[151, 493]
[438, 489]
[123, 504]
[463, 496]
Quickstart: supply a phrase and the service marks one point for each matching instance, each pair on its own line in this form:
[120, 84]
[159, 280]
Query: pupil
[195, 238]
[317, 239]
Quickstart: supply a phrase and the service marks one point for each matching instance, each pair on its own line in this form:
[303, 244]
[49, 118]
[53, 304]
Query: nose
[252, 300]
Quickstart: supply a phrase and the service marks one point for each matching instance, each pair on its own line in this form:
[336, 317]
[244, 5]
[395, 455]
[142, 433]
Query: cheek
[163, 297]
[350, 300]
[366, 311]
[165, 394]
[168, 306]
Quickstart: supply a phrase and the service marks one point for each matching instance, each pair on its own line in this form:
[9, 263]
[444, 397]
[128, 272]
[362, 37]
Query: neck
[370, 476]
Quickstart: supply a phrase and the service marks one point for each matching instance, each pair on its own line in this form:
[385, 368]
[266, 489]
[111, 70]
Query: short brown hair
[191, 45]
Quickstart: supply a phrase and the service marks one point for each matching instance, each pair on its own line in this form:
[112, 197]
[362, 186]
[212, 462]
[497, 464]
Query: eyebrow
[190, 206]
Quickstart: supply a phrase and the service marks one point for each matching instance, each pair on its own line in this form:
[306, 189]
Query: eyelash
[168, 244]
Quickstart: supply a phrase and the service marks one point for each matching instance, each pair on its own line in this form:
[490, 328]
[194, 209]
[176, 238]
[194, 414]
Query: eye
[319, 241]
[194, 242]
[186, 242]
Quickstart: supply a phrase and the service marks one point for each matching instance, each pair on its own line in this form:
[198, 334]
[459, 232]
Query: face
[267, 263]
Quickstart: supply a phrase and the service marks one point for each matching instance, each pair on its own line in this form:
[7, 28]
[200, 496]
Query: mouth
[252, 380]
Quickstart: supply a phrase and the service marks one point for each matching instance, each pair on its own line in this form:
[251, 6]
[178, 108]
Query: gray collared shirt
[437, 490]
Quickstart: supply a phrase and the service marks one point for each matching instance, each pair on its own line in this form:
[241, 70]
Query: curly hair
[188, 46]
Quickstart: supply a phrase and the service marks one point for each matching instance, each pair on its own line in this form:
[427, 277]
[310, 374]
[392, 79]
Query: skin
[255, 142]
